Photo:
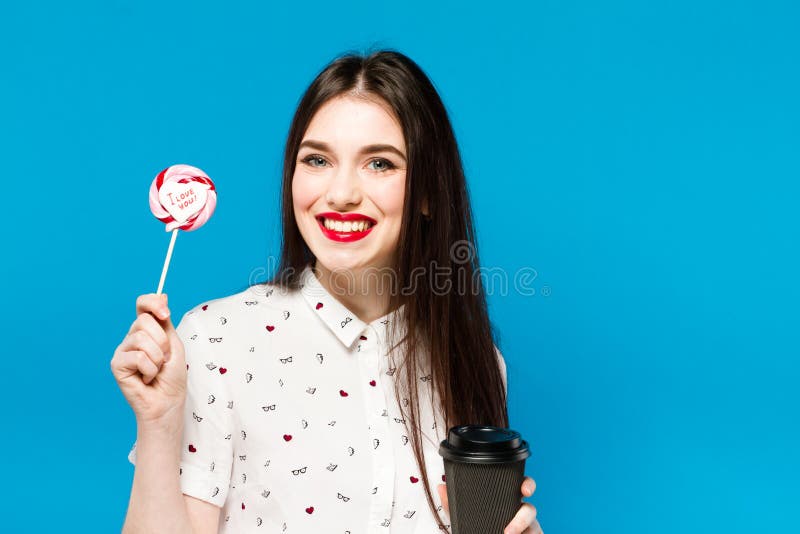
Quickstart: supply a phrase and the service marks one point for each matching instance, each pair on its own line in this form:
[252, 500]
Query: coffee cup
[484, 469]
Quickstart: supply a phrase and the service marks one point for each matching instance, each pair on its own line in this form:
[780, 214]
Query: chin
[348, 261]
[342, 261]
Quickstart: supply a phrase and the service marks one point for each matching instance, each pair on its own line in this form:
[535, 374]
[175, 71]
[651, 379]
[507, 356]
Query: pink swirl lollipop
[184, 197]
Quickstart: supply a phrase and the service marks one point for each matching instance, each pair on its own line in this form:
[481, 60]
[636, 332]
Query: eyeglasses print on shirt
[425, 378]
[215, 340]
[268, 408]
[196, 417]
[298, 471]
[285, 360]
[340, 496]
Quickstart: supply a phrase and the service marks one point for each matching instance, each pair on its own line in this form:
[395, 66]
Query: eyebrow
[369, 149]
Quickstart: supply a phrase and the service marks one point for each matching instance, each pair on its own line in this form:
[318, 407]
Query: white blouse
[291, 422]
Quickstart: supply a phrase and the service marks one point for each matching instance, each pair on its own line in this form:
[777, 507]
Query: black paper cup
[484, 468]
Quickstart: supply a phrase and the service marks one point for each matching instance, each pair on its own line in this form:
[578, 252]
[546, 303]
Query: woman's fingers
[134, 361]
[525, 519]
[140, 340]
[152, 303]
[528, 486]
[443, 497]
[149, 363]
[149, 324]
[535, 528]
[156, 305]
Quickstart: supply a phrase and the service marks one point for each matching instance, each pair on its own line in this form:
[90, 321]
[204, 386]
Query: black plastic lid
[483, 444]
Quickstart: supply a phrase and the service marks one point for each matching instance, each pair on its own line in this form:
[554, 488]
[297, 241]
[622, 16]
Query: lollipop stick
[166, 261]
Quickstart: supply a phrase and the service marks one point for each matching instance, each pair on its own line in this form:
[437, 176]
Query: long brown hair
[452, 327]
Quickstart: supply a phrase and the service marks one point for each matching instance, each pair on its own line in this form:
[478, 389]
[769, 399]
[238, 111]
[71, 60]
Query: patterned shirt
[291, 422]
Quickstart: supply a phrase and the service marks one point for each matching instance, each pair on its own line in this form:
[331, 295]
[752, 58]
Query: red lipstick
[344, 237]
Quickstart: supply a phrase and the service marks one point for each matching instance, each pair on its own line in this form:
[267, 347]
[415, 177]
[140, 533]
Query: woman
[251, 414]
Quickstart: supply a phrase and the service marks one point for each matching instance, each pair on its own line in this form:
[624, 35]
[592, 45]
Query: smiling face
[349, 184]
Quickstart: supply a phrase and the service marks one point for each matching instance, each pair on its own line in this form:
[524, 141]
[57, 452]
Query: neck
[365, 292]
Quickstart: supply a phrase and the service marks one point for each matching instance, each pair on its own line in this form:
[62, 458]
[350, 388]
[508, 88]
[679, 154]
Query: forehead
[351, 122]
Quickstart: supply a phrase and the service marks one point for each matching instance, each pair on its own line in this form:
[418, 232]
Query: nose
[344, 189]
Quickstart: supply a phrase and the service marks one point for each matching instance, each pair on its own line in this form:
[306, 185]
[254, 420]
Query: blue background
[642, 157]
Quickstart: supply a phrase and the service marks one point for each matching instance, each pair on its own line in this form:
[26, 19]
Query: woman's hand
[149, 365]
[523, 523]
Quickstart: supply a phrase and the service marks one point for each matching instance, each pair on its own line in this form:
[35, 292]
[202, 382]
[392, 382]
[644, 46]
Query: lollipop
[184, 198]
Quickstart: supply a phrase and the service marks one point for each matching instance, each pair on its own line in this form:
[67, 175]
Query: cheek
[390, 197]
[303, 194]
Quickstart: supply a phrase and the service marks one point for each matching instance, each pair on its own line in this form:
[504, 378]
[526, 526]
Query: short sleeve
[502, 363]
[206, 448]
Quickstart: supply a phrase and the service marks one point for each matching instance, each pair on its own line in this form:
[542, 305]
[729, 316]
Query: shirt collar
[344, 324]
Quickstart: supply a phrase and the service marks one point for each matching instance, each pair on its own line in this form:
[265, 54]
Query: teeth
[348, 226]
